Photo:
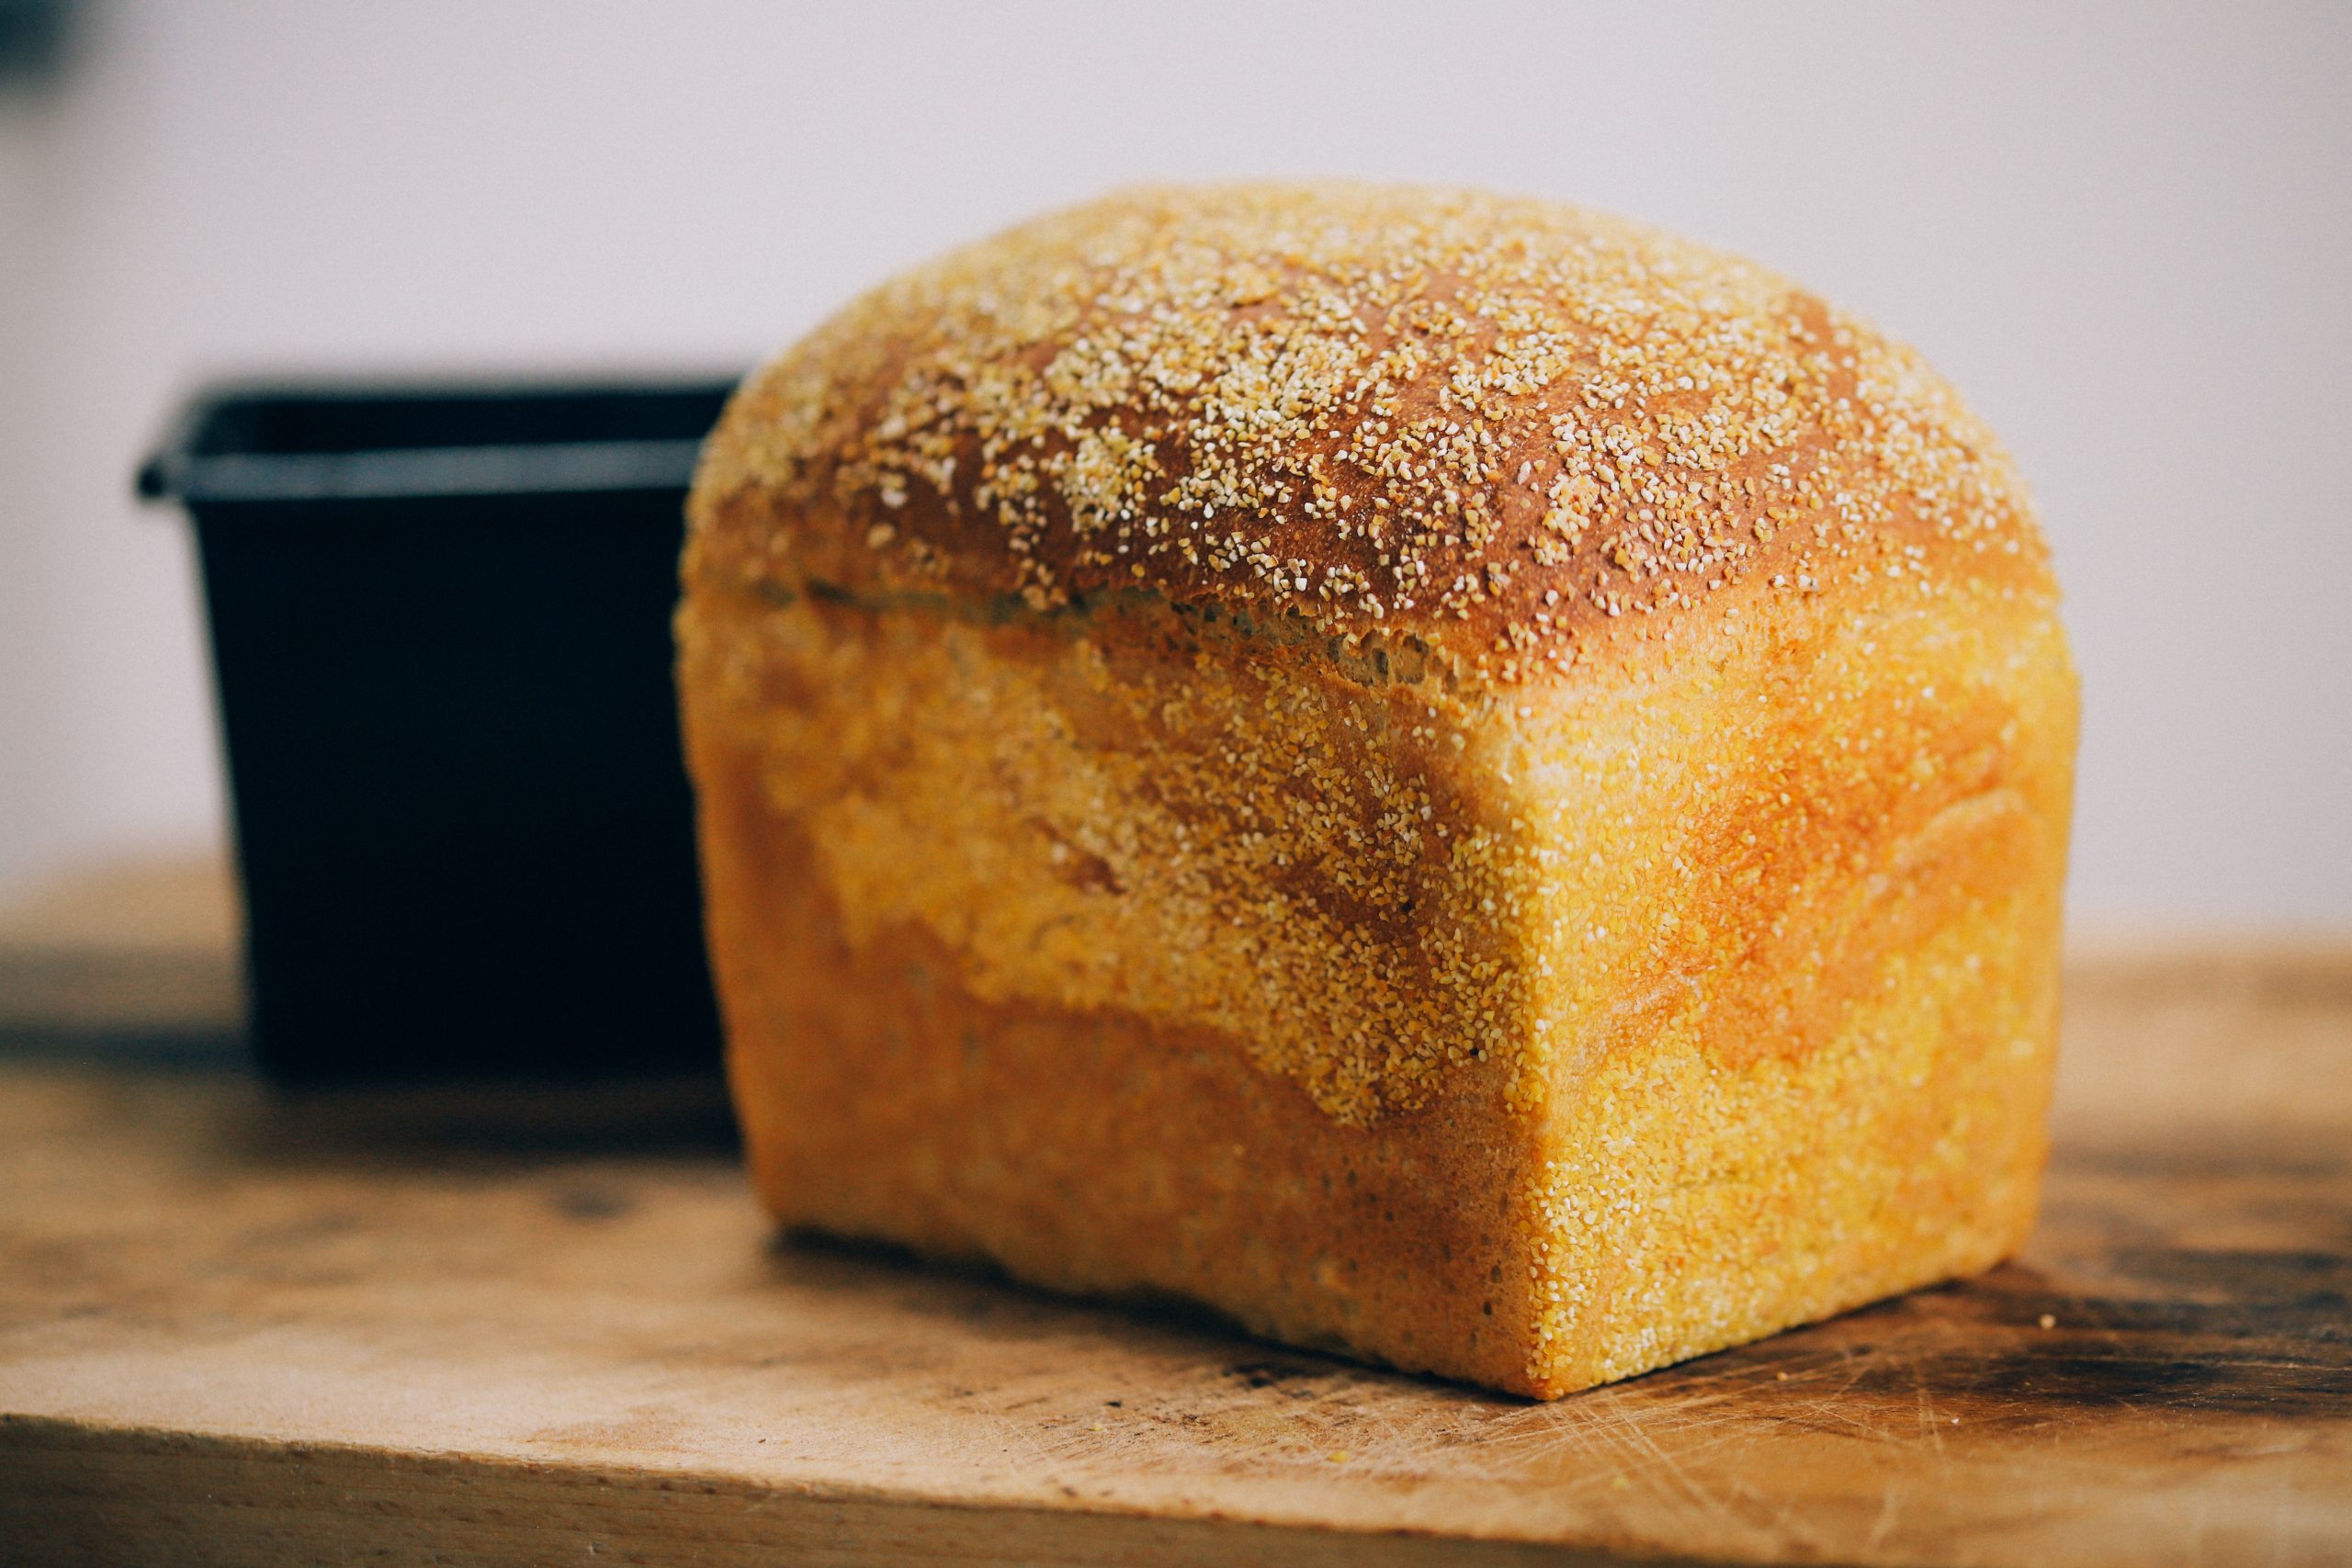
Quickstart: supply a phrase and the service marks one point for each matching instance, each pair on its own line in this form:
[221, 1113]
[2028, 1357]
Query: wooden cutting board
[412, 1329]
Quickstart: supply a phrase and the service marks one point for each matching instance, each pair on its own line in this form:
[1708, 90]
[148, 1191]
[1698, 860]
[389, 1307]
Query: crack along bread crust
[1453, 778]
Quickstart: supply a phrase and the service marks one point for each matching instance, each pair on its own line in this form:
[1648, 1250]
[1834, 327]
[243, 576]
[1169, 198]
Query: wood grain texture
[249, 1330]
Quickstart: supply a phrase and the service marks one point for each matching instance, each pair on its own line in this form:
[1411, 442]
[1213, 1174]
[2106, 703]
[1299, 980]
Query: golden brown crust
[1449, 776]
[1499, 427]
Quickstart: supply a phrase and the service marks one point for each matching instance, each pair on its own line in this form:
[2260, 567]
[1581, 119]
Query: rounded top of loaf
[1499, 427]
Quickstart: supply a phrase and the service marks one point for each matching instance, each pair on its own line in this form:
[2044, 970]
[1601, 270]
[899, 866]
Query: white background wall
[2126, 232]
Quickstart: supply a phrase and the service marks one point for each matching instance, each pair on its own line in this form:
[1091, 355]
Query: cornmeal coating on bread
[1455, 778]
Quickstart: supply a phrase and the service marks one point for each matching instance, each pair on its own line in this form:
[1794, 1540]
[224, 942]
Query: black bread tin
[440, 624]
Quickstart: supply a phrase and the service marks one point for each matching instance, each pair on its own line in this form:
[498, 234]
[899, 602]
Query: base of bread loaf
[1801, 1088]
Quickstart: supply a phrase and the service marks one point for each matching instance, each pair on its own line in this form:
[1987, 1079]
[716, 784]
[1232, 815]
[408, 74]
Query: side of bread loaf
[1062, 949]
[1799, 907]
[1454, 779]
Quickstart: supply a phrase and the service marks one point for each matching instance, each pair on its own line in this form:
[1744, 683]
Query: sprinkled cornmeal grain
[1552, 416]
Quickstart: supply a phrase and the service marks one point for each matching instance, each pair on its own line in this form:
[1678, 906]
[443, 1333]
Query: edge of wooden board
[79, 1492]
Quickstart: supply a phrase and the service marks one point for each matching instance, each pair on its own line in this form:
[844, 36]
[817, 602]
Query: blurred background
[2122, 229]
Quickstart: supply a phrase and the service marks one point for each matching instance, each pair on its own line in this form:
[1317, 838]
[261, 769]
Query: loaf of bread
[1459, 780]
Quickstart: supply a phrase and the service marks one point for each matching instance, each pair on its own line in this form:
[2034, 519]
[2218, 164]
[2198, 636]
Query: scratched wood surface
[430, 1328]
